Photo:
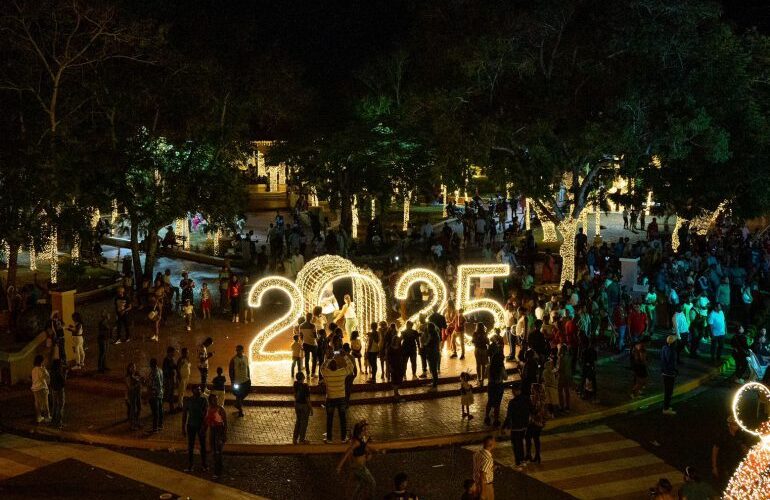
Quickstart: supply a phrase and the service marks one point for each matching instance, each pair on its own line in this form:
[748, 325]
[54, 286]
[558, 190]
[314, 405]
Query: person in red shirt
[637, 323]
[620, 322]
[234, 294]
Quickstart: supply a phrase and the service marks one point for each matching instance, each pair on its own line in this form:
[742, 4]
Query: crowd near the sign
[682, 305]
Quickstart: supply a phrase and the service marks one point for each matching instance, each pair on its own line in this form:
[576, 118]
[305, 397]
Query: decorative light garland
[549, 228]
[675, 235]
[313, 197]
[463, 299]
[32, 255]
[53, 255]
[705, 221]
[217, 238]
[597, 221]
[568, 229]
[435, 284]
[96, 216]
[750, 478]
[114, 215]
[443, 201]
[649, 204]
[75, 252]
[354, 218]
[407, 202]
[527, 222]
[374, 207]
[289, 319]
[584, 221]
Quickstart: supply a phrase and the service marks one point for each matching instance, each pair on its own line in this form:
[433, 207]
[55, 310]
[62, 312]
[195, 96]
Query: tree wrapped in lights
[549, 228]
[407, 202]
[354, 218]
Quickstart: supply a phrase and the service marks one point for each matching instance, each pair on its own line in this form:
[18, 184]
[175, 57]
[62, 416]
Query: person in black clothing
[432, 353]
[410, 340]
[581, 242]
[530, 372]
[169, 378]
[588, 381]
[495, 385]
[103, 339]
[58, 379]
[536, 341]
[740, 353]
[439, 320]
[517, 420]
[400, 484]
[122, 311]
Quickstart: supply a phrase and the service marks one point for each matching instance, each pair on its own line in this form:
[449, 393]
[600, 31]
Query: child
[550, 381]
[296, 355]
[469, 490]
[188, 314]
[206, 301]
[218, 385]
[355, 348]
[466, 394]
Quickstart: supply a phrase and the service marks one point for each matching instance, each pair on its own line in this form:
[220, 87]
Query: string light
[435, 284]
[313, 197]
[374, 208]
[508, 187]
[354, 218]
[407, 202]
[75, 252]
[274, 329]
[443, 201]
[597, 221]
[675, 235]
[32, 255]
[114, 216]
[469, 305]
[96, 216]
[457, 195]
[549, 228]
[706, 220]
[526, 214]
[368, 293]
[53, 255]
[750, 478]
[217, 238]
[584, 221]
[568, 229]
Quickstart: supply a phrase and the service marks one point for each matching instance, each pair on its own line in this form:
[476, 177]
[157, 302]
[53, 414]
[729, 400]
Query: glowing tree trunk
[32, 256]
[443, 200]
[354, 218]
[568, 230]
[407, 202]
[549, 228]
[53, 255]
[75, 252]
[526, 214]
[675, 235]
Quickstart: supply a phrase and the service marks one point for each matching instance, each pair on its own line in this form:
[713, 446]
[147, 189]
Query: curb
[322, 449]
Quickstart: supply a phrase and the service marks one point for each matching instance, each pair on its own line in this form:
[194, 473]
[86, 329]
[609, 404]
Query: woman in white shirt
[348, 313]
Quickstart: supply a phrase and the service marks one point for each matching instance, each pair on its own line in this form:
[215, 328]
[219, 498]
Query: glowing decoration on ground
[95, 218]
[368, 293]
[435, 285]
[354, 218]
[443, 200]
[32, 256]
[526, 214]
[52, 252]
[464, 299]
[568, 230]
[407, 202]
[750, 478]
[75, 252]
[282, 324]
[217, 238]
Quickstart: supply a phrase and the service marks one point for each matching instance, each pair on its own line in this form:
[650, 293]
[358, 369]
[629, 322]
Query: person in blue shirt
[718, 327]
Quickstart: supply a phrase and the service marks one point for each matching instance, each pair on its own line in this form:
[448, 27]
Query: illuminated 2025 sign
[368, 295]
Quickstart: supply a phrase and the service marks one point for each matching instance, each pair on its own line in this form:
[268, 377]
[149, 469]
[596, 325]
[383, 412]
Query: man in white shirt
[681, 330]
[426, 231]
[484, 469]
[718, 327]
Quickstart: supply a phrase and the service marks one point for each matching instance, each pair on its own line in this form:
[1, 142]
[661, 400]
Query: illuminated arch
[368, 293]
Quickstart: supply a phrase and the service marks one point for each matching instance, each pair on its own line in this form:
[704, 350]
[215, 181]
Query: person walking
[155, 395]
[669, 372]
[195, 409]
[182, 376]
[359, 453]
[240, 378]
[517, 420]
[334, 380]
[40, 384]
[538, 416]
[484, 469]
[216, 423]
[718, 327]
[203, 360]
[58, 380]
[302, 408]
[133, 396]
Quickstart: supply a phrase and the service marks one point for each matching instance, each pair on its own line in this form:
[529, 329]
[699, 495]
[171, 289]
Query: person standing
[432, 354]
[170, 381]
[481, 346]
[484, 469]
[224, 281]
[458, 334]
[730, 446]
[40, 384]
[396, 365]
[517, 420]
[216, 423]
[536, 421]
[102, 339]
[155, 395]
[122, 315]
[669, 372]
[203, 360]
[334, 379]
[439, 320]
[639, 367]
[564, 373]
[234, 296]
[58, 379]
[495, 386]
[373, 350]
[76, 330]
[182, 376]
[410, 340]
[307, 331]
[57, 337]
[133, 396]
[681, 330]
[302, 408]
[240, 378]
[195, 409]
[718, 327]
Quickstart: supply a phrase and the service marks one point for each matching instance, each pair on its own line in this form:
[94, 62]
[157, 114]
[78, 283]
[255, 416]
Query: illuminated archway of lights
[749, 480]
[464, 300]
[435, 284]
[368, 293]
[285, 322]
